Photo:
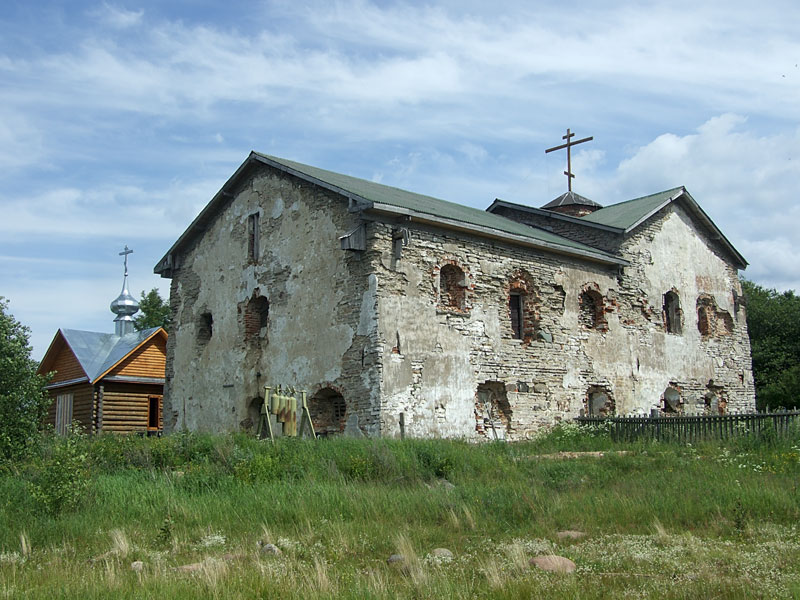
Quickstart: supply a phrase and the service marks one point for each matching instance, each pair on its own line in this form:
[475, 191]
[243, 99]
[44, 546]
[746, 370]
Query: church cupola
[572, 204]
[125, 306]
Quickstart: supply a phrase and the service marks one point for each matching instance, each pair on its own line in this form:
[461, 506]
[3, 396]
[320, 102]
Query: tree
[773, 320]
[154, 312]
[23, 399]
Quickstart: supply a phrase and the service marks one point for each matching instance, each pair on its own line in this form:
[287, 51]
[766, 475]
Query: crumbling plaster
[443, 356]
[321, 308]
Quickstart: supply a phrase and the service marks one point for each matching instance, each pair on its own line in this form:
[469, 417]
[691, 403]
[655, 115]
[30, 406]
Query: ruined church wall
[670, 252]
[436, 362]
[434, 359]
[313, 329]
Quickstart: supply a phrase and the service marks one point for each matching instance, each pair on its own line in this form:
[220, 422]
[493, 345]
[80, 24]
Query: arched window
[256, 317]
[516, 309]
[673, 316]
[205, 328]
[672, 400]
[452, 288]
[591, 311]
[523, 306]
[328, 411]
[599, 402]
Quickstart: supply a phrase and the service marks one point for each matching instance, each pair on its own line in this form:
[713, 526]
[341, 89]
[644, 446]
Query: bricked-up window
[517, 318]
[452, 288]
[256, 317]
[328, 410]
[205, 328]
[252, 238]
[711, 320]
[673, 316]
[599, 402]
[591, 311]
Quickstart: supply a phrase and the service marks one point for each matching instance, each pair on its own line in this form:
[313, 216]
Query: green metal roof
[427, 205]
[627, 214]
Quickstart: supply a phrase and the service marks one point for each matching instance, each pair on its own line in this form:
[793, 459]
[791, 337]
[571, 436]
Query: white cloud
[118, 17]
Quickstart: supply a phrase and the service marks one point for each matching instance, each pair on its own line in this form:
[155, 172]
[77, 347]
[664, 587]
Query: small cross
[568, 145]
[125, 254]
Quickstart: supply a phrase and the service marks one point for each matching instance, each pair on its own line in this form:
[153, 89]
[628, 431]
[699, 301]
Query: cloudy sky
[120, 120]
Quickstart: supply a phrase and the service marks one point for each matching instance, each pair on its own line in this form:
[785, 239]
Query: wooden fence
[695, 428]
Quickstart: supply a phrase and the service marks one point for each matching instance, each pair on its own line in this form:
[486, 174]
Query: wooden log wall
[125, 406]
[82, 405]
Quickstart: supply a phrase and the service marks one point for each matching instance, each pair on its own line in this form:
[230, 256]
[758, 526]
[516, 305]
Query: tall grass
[661, 520]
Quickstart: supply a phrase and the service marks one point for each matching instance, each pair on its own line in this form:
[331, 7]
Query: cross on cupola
[125, 306]
[125, 254]
[568, 146]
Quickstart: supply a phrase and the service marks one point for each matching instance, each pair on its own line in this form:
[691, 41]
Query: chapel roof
[97, 353]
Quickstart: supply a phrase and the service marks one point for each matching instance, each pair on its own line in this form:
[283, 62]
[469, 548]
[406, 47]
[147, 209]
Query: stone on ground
[570, 534]
[442, 553]
[551, 562]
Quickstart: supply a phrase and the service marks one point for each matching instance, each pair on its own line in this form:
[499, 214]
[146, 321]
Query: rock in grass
[570, 534]
[396, 560]
[137, 566]
[268, 549]
[551, 562]
[443, 553]
[191, 568]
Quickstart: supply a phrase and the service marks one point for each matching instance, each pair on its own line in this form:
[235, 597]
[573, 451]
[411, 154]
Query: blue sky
[120, 120]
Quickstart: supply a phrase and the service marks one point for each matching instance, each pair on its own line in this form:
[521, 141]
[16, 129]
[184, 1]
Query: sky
[120, 120]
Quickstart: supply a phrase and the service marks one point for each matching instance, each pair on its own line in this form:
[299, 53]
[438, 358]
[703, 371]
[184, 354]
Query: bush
[23, 399]
[60, 478]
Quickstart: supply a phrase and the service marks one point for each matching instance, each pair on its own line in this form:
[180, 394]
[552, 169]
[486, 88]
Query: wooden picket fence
[689, 429]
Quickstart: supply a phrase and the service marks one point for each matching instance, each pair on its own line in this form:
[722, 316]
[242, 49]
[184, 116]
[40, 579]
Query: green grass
[660, 520]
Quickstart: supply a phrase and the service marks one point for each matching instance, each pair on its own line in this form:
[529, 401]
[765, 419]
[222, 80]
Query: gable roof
[624, 217]
[629, 215]
[370, 196]
[97, 353]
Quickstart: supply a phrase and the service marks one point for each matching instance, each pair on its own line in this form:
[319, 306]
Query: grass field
[659, 520]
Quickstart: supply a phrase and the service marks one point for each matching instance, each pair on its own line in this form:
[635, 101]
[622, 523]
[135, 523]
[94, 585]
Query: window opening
[154, 412]
[672, 312]
[328, 411]
[591, 312]
[205, 328]
[253, 237]
[452, 289]
[599, 402]
[256, 318]
[672, 400]
[492, 410]
[517, 319]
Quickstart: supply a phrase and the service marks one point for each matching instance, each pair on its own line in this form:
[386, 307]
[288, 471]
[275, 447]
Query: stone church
[427, 318]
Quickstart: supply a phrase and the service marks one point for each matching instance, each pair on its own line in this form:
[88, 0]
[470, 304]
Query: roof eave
[497, 234]
[553, 215]
[167, 262]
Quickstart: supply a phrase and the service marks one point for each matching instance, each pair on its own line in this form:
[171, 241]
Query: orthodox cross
[568, 145]
[125, 254]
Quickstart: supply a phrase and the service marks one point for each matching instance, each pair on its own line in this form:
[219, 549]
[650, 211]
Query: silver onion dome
[125, 306]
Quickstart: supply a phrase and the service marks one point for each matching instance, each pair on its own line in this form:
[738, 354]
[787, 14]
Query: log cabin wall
[126, 406]
[83, 405]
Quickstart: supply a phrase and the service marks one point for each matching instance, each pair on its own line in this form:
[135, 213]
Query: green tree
[153, 312]
[23, 399]
[773, 320]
